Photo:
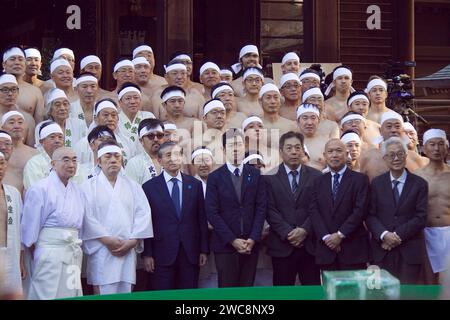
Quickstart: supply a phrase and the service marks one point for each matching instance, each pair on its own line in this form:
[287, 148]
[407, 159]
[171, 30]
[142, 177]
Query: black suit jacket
[190, 229]
[286, 210]
[346, 214]
[407, 219]
[230, 217]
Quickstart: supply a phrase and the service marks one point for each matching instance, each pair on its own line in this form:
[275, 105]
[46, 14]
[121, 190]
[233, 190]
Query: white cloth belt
[62, 237]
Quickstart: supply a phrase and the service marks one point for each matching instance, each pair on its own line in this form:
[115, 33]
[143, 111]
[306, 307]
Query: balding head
[335, 154]
[64, 162]
[62, 152]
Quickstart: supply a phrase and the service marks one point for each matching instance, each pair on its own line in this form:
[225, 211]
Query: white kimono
[75, 130]
[122, 212]
[141, 168]
[76, 112]
[10, 256]
[52, 220]
[130, 128]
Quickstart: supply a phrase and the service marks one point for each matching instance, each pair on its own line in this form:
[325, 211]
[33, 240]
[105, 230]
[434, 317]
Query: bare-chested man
[33, 66]
[87, 90]
[13, 123]
[253, 80]
[352, 142]
[62, 75]
[153, 79]
[270, 100]
[377, 91]
[336, 106]
[184, 58]
[372, 163]
[30, 98]
[353, 121]
[92, 64]
[291, 90]
[225, 93]
[248, 58]
[176, 75]
[411, 133]
[209, 77]
[226, 76]
[290, 63]
[143, 72]
[9, 91]
[62, 53]
[308, 116]
[174, 101]
[437, 232]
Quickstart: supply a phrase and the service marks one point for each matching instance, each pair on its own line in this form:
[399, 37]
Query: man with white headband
[353, 143]
[252, 82]
[202, 163]
[186, 60]
[372, 163]
[209, 77]
[13, 123]
[270, 100]
[174, 103]
[226, 75]
[61, 53]
[225, 93]
[308, 121]
[144, 166]
[437, 231]
[29, 98]
[51, 227]
[130, 103]
[142, 70]
[123, 72]
[353, 121]
[336, 106]
[309, 79]
[176, 75]
[290, 63]
[291, 90]
[171, 132]
[377, 92]
[63, 78]
[10, 236]
[93, 65]
[214, 120]
[411, 133]
[117, 221]
[88, 92]
[145, 51]
[33, 64]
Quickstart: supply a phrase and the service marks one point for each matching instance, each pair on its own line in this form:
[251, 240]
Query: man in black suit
[397, 216]
[236, 205]
[291, 240]
[180, 243]
[338, 209]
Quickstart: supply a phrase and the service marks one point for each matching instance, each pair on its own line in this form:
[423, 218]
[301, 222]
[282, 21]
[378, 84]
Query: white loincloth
[437, 240]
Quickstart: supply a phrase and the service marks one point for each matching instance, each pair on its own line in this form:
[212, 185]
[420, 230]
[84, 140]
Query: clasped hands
[390, 241]
[243, 246]
[119, 247]
[296, 237]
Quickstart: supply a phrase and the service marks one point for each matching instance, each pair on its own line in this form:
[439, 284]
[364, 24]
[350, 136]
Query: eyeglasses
[67, 161]
[291, 86]
[6, 145]
[253, 80]
[391, 156]
[158, 136]
[9, 90]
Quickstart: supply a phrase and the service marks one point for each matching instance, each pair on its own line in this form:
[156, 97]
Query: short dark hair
[129, 84]
[172, 88]
[356, 93]
[95, 133]
[291, 134]
[165, 145]
[221, 84]
[150, 124]
[349, 131]
[310, 70]
[348, 114]
[45, 124]
[176, 54]
[231, 134]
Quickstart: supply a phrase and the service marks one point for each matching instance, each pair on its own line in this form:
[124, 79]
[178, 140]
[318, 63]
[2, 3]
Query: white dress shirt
[290, 177]
[169, 183]
[232, 167]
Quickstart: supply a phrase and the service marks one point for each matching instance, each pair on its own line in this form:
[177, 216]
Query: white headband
[336, 74]
[309, 108]
[170, 126]
[351, 136]
[144, 131]
[224, 87]
[252, 72]
[176, 66]
[104, 105]
[86, 78]
[63, 51]
[434, 133]
[352, 117]
[108, 149]
[213, 104]
[49, 130]
[248, 49]
[267, 88]
[289, 77]
[141, 49]
[226, 72]
[357, 97]
[2, 155]
[101, 134]
[209, 65]
[10, 114]
[88, 60]
[172, 94]
[126, 90]
[309, 75]
[5, 135]
[251, 157]
[390, 115]
[201, 151]
[374, 83]
[123, 64]
[12, 52]
[290, 56]
[311, 92]
[56, 94]
[182, 57]
[59, 63]
[8, 78]
[409, 126]
[140, 60]
[249, 120]
[33, 53]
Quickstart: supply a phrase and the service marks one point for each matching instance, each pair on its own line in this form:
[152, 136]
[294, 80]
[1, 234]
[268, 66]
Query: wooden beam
[326, 31]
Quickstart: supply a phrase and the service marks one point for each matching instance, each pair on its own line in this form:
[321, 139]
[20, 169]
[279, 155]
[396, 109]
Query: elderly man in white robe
[10, 245]
[117, 220]
[51, 224]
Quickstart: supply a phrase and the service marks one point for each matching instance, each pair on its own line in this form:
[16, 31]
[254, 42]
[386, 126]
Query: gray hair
[392, 141]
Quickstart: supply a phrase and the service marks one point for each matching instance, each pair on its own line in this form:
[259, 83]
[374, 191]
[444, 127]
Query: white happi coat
[122, 212]
[12, 281]
[141, 168]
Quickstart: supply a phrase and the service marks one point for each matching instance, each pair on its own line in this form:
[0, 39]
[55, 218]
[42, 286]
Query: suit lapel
[186, 196]
[284, 180]
[406, 189]
[345, 183]
[226, 178]
[304, 177]
[164, 192]
[246, 180]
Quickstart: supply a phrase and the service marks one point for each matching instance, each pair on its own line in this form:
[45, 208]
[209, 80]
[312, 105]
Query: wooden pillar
[179, 27]
[325, 31]
[405, 49]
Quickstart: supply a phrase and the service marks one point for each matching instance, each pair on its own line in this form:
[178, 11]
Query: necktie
[236, 172]
[294, 186]
[396, 192]
[335, 185]
[176, 196]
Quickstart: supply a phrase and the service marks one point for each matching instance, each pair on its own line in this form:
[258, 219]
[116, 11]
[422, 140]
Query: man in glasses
[291, 90]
